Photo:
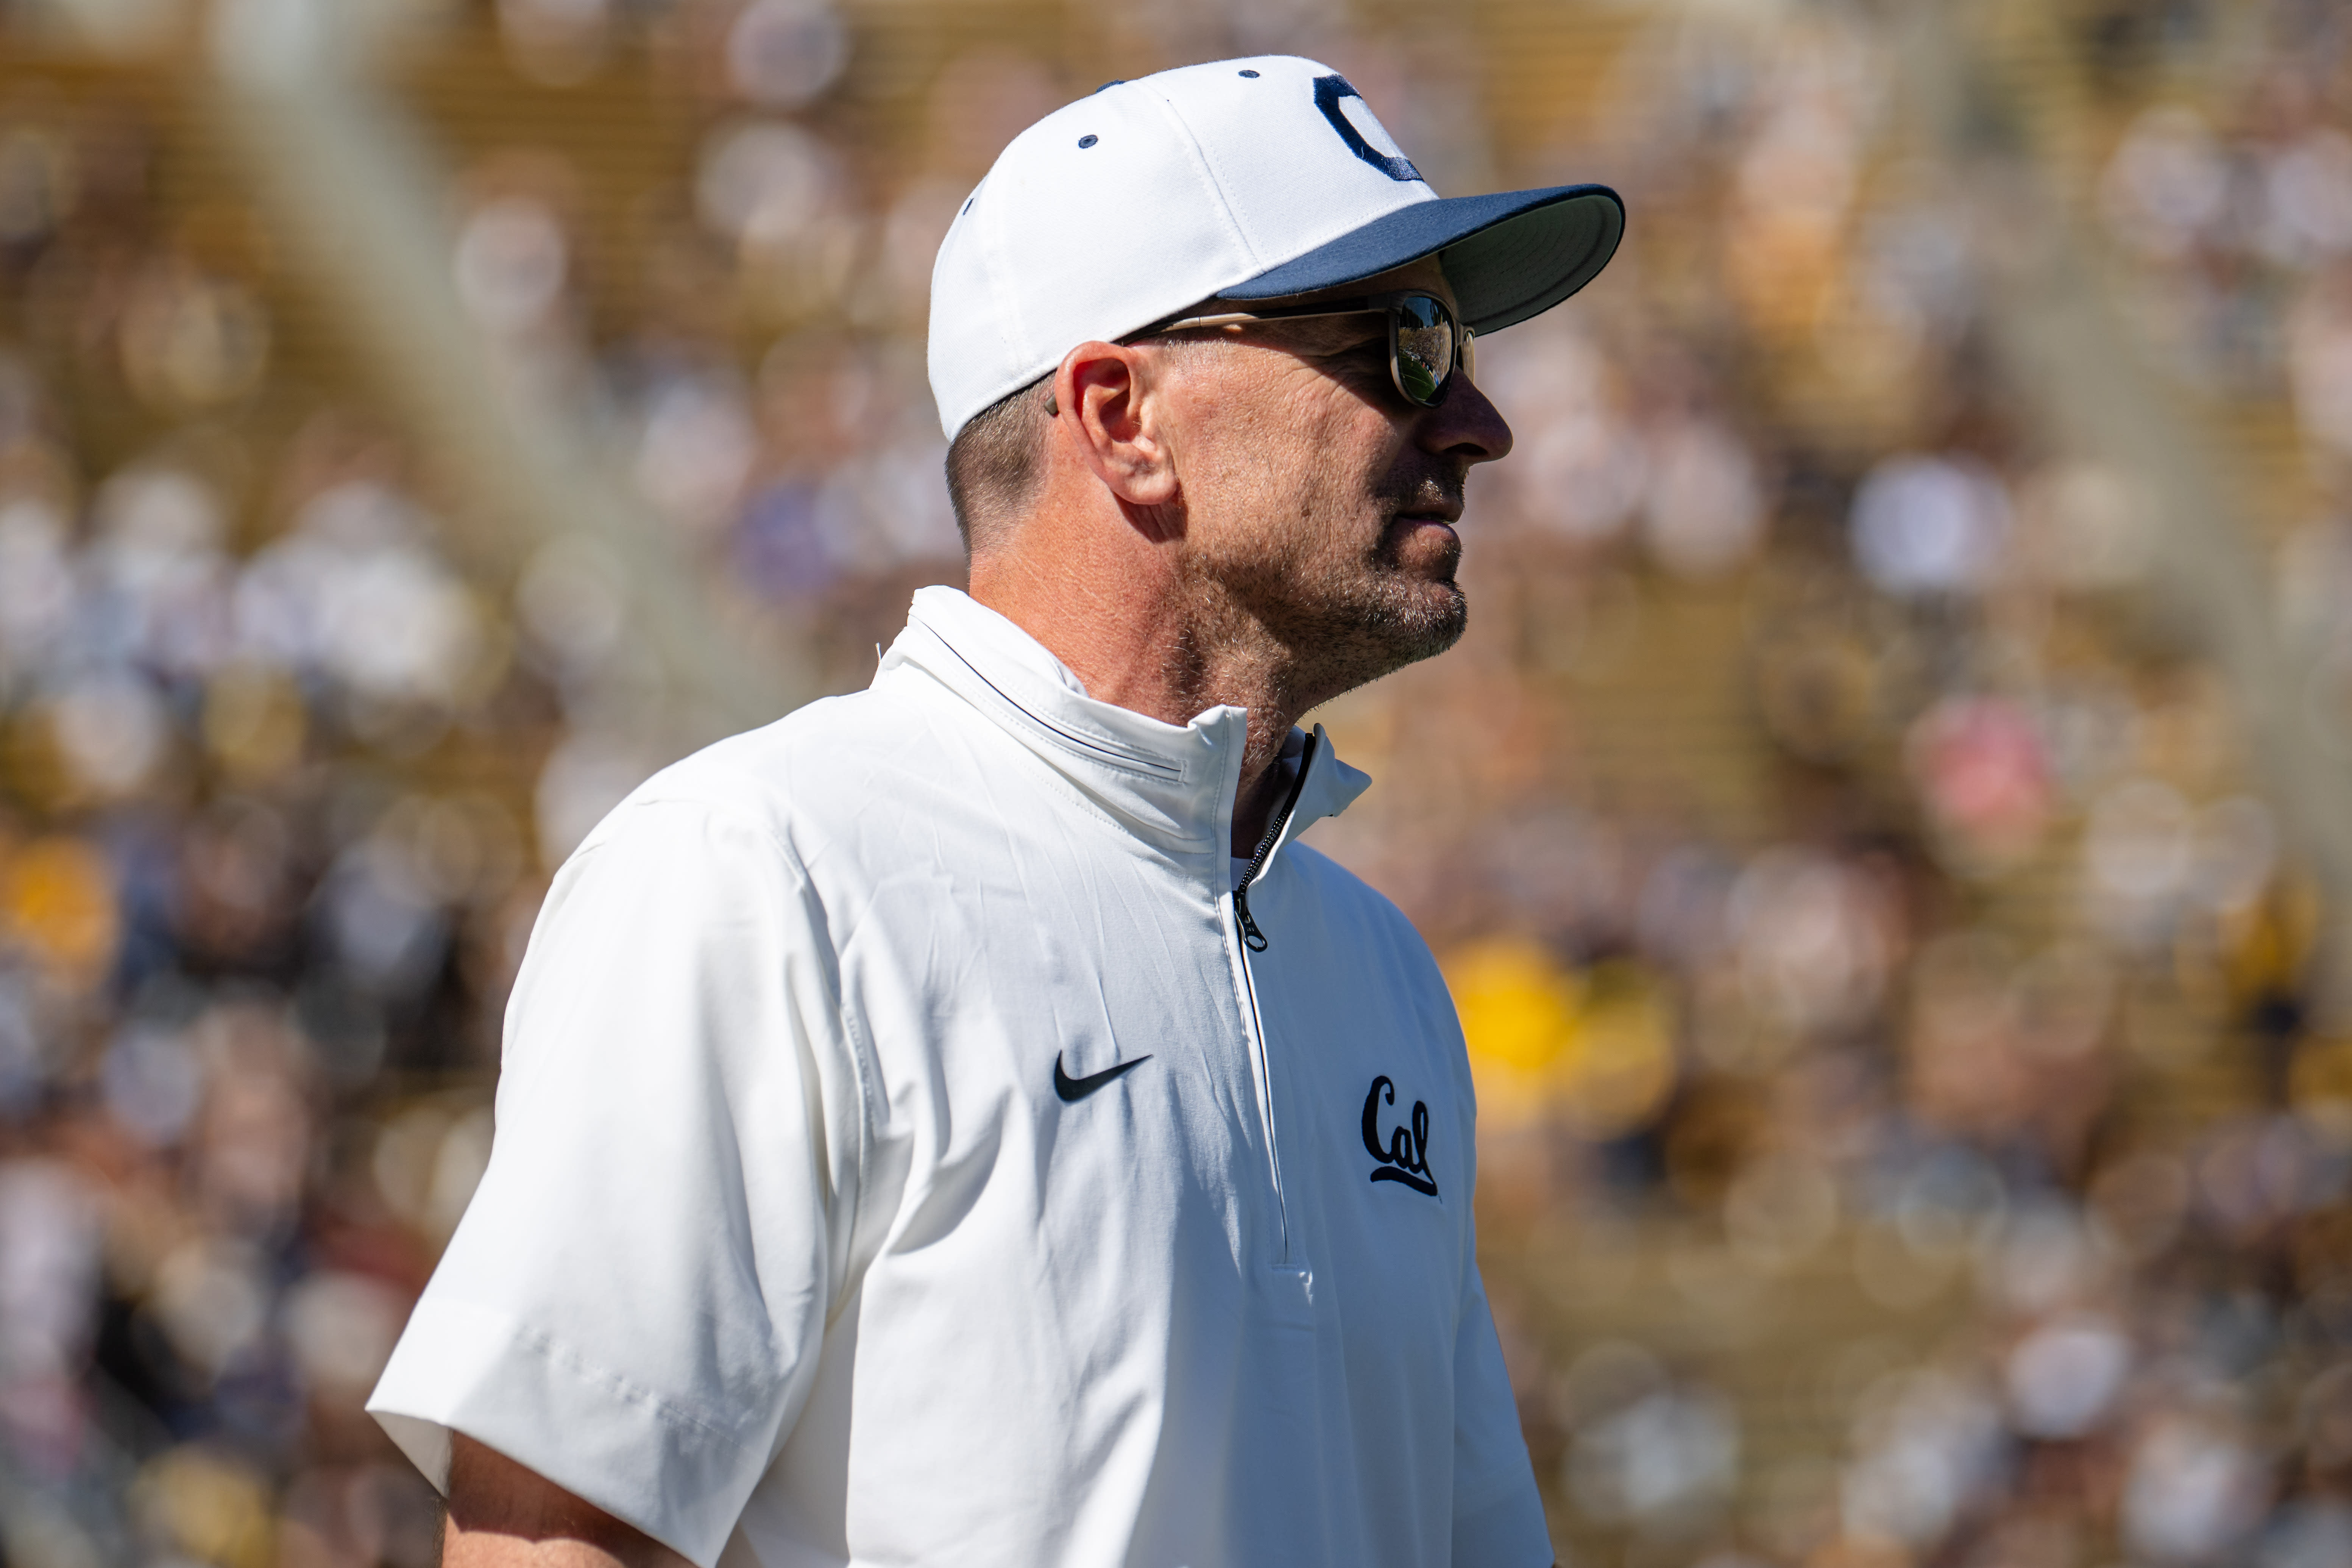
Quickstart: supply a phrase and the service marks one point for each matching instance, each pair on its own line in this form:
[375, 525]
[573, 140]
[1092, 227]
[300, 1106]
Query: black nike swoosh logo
[1077, 1089]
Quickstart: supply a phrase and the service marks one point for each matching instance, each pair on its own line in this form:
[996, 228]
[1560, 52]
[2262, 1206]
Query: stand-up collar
[1167, 783]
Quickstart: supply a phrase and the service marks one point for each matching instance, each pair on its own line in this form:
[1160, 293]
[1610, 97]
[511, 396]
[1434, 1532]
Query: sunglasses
[1427, 342]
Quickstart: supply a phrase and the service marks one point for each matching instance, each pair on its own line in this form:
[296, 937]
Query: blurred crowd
[1909, 1130]
[260, 886]
[1977, 1105]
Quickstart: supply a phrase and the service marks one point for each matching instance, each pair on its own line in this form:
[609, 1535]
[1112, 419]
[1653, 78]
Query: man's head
[1269, 474]
[1288, 487]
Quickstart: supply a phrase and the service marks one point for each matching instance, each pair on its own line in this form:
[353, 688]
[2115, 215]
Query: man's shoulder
[817, 766]
[1335, 882]
[1346, 897]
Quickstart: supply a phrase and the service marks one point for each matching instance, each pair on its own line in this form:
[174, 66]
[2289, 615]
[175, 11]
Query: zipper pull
[1252, 937]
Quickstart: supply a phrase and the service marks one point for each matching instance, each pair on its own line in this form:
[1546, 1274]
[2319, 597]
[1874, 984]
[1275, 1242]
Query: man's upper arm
[1499, 1519]
[634, 1304]
[502, 1515]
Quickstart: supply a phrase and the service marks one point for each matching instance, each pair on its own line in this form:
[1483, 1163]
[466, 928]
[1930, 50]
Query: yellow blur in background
[1888, 830]
[1591, 1050]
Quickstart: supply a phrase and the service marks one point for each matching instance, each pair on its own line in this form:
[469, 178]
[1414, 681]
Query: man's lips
[1422, 532]
[1423, 541]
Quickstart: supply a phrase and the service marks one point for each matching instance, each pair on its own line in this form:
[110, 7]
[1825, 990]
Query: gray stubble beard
[1338, 616]
[1346, 628]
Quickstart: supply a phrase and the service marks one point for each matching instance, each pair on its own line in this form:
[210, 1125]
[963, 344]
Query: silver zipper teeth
[1273, 1143]
[1253, 941]
[1252, 937]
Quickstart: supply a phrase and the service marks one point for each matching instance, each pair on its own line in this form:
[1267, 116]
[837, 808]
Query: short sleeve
[633, 1303]
[1498, 1518]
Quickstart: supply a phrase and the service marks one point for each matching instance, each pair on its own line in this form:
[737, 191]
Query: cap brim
[1509, 256]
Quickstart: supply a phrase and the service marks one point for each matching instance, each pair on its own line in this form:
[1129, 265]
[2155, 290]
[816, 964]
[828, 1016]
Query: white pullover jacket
[904, 1158]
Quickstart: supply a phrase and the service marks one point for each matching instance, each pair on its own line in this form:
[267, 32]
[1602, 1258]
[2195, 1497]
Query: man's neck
[1155, 648]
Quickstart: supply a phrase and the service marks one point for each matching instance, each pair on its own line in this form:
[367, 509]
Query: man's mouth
[1426, 534]
[1423, 540]
[1431, 506]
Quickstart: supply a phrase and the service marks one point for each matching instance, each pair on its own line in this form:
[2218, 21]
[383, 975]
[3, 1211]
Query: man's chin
[1422, 622]
[1356, 631]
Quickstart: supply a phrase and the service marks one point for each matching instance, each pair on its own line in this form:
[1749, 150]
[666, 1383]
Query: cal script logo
[1406, 1157]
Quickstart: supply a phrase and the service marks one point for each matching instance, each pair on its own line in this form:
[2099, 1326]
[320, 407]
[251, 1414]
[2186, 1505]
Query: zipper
[1253, 941]
[1252, 937]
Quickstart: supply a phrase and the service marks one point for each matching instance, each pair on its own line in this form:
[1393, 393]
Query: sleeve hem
[663, 1470]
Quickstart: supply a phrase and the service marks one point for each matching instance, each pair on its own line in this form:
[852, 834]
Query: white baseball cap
[1239, 180]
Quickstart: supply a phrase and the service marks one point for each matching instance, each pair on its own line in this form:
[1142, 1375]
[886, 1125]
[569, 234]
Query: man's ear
[1106, 401]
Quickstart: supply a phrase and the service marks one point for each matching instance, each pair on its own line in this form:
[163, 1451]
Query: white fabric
[789, 1252]
[1196, 180]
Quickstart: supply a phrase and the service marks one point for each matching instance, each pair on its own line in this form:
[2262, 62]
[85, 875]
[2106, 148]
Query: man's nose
[1466, 425]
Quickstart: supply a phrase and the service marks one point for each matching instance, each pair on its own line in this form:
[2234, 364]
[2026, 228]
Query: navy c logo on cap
[1329, 91]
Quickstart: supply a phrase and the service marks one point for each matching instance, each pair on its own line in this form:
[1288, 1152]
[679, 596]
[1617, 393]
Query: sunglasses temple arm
[1241, 317]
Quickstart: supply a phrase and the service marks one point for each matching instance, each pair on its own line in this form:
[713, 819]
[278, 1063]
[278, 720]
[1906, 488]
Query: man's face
[1318, 502]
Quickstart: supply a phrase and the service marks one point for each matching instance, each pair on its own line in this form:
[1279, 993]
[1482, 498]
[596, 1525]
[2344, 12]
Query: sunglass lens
[1425, 340]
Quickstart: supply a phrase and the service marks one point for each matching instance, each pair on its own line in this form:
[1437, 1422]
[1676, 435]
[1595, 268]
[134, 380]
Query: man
[960, 1124]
